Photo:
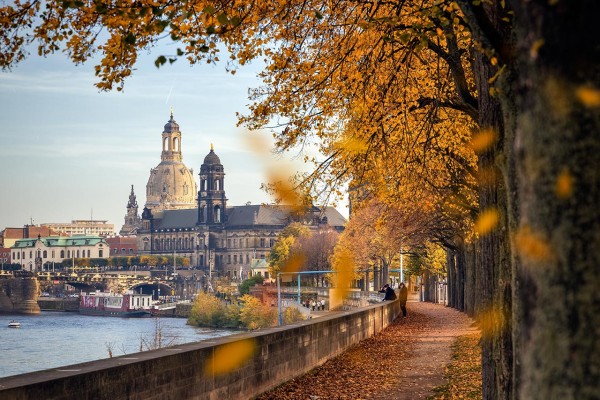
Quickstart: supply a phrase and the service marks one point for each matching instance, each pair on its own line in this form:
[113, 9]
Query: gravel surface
[405, 361]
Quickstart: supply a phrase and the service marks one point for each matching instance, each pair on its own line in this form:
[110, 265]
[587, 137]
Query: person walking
[403, 295]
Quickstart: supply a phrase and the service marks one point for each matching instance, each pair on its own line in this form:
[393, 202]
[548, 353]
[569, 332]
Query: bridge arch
[156, 289]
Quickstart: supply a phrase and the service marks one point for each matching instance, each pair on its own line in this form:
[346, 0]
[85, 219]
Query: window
[235, 259]
[271, 242]
[262, 242]
[123, 251]
[62, 254]
[45, 254]
[100, 253]
[68, 253]
[228, 258]
[88, 254]
[228, 243]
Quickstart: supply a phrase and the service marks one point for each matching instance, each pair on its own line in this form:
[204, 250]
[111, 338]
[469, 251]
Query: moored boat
[14, 324]
[128, 304]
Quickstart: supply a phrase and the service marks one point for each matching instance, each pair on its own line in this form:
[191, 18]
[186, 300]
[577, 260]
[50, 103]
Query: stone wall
[19, 295]
[190, 371]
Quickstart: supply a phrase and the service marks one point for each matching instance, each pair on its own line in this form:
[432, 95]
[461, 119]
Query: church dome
[171, 126]
[171, 184]
[211, 158]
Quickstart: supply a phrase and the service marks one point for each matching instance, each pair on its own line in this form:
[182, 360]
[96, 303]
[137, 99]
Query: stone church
[178, 218]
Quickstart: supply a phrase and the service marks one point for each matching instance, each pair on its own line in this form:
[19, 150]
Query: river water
[57, 339]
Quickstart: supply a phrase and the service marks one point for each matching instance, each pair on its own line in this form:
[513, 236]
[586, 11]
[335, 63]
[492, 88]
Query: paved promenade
[405, 361]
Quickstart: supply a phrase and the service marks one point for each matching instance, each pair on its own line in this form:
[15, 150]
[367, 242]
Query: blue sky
[70, 152]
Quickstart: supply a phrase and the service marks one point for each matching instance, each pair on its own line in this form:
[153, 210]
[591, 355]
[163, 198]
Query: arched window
[146, 244]
[217, 214]
[45, 254]
[156, 244]
[176, 144]
[165, 143]
[62, 254]
[217, 184]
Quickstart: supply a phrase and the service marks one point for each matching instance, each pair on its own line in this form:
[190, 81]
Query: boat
[128, 304]
[14, 324]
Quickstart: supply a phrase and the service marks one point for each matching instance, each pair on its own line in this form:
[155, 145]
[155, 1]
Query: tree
[247, 283]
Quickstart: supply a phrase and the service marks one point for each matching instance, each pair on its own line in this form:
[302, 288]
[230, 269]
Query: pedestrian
[403, 295]
[313, 304]
[323, 304]
[389, 292]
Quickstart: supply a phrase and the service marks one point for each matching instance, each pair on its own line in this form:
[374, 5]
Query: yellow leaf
[230, 356]
[564, 185]
[532, 246]
[483, 140]
[487, 221]
[588, 96]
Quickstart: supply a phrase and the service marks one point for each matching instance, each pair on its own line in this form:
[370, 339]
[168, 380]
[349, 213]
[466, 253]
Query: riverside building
[195, 221]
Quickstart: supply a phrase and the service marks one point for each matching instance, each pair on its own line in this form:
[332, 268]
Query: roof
[171, 219]
[13, 233]
[278, 215]
[242, 216]
[212, 159]
[60, 241]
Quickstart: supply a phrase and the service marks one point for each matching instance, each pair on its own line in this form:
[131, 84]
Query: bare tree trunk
[461, 258]
[450, 258]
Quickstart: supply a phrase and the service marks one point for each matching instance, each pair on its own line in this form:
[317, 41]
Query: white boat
[14, 324]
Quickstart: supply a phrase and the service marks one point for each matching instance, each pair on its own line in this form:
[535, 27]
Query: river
[56, 339]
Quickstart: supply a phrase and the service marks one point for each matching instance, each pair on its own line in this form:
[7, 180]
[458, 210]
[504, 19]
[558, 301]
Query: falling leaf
[483, 140]
[487, 221]
[535, 48]
[230, 356]
[588, 96]
[564, 185]
[531, 245]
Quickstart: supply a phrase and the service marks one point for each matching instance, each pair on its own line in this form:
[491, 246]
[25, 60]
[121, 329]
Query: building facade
[89, 227]
[9, 236]
[216, 237]
[122, 246]
[32, 254]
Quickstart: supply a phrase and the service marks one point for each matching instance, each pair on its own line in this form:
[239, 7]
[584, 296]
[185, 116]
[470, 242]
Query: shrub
[255, 315]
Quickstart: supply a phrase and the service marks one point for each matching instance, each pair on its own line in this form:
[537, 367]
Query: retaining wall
[190, 371]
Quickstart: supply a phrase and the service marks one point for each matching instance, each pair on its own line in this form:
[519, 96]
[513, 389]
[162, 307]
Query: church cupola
[211, 196]
[171, 141]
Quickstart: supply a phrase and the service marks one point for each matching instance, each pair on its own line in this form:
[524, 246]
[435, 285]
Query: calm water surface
[56, 339]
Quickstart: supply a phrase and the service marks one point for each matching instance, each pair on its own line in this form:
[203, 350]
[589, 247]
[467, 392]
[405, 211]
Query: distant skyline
[71, 152]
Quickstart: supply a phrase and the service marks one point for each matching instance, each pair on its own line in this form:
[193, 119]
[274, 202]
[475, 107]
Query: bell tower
[212, 202]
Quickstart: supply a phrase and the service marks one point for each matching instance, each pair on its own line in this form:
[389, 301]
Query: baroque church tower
[171, 185]
[132, 220]
[212, 203]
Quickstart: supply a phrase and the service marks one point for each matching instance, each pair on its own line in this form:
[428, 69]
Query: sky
[69, 151]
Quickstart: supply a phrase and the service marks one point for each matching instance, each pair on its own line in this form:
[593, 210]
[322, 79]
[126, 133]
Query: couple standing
[390, 294]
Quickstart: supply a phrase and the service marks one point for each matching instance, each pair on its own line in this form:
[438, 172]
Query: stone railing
[195, 370]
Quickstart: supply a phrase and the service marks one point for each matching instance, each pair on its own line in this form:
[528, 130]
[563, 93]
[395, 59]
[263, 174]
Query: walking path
[405, 361]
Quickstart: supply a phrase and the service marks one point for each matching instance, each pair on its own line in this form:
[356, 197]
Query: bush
[208, 310]
[291, 315]
[255, 315]
[247, 283]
